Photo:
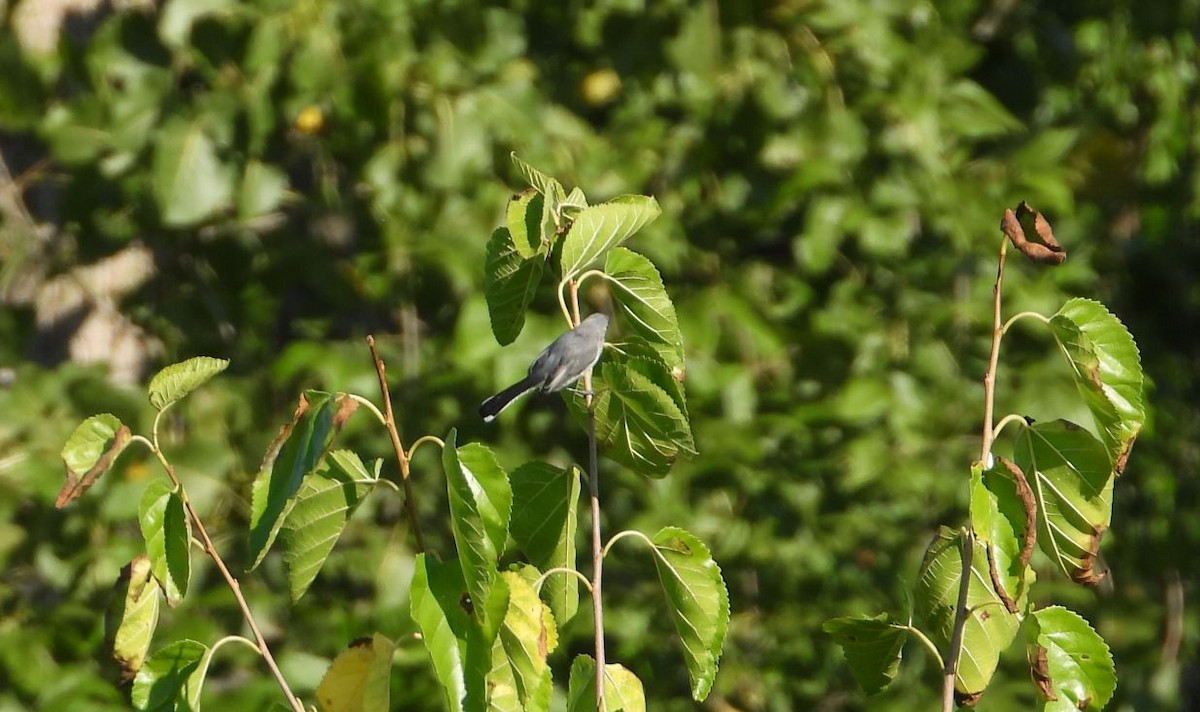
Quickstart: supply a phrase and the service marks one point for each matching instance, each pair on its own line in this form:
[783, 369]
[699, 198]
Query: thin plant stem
[230, 580]
[1023, 315]
[369, 406]
[421, 441]
[621, 535]
[927, 642]
[389, 422]
[950, 669]
[537, 584]
[1010, 418]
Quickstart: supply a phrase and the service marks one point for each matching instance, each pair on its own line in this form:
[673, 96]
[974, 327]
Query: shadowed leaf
[168, 534]
[872, 647]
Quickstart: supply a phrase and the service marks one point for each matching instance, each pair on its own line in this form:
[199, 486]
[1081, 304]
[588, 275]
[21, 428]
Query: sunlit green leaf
[1107, 370]
[1072, 479]
[550, 188]
[290, 457]
[130, 622]
[359, 678]
[480, 504]
[1079, 667]
[324, 504]
[698, 600]
[174, 382]
[1000, 520]
[509, 283]
[599, 228]
[524, 221]
[168, 534]
[262, 191]
[623, 691]
[988, 630]
[872, 647]
[643, 305]
[90, 452]
[544, 527]
[171, 679]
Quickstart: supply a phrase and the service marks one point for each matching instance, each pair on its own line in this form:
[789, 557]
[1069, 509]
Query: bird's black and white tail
[491, 407]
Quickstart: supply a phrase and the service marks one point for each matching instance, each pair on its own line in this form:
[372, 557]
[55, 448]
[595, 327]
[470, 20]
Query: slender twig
[366, 402]
[230, 580]
[621, 535]
[950, 670]
[389, 422]
[421, 441]
[235, 639]
[537, 584]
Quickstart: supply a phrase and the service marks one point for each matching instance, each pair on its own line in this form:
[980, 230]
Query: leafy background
[269, 181]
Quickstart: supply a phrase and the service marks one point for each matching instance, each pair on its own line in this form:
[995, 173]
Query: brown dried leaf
[1087, 575]
[1049, 253]
[1029, 502]
[1041, 674]
[994, 572]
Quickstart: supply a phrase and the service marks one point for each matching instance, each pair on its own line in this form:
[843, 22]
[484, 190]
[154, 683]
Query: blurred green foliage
[831, 175]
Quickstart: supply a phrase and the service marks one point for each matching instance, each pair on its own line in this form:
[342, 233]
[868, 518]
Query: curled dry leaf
[1046, 252]
[1087, 574]
[1041, 674]
[1025, 492]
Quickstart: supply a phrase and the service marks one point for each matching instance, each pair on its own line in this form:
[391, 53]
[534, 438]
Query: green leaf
[359, 680]
[1079, 669]
[480, 504]
[191, 183]
[699, 602]
[575, 199]
[174, 382]
[131, 620]
[90, 452]
[324, 504]
[641, 300]
[550, 188]
[262, 191]
[1107, 370]
[171, 679]
[527, 636]
[638, 423]
[622, 689]
[291, 456]
[460, 649]
[178, 16]
[168, 534]
[599, 228]
[544, 527]
[1072, 480]
[524, 221]
[509, 283]
[988, 630]
[1002, 522]
[872, 647]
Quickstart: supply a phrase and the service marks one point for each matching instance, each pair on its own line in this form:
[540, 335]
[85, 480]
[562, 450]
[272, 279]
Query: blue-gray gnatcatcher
[559, 365]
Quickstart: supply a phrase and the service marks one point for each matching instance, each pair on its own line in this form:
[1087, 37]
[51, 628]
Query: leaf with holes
[360, 677]
[177, 380]
[168, 534]
[698, 600]
[291, 456]
[480, 505]
[90, 452]
[643, 305]
[872, 647]
[1074, 665]
[544, 527]
[599, 228]
[324, 504]
[1108, 372]
[509, 283]
[987, 631]
[623, 691]
[1072, 480]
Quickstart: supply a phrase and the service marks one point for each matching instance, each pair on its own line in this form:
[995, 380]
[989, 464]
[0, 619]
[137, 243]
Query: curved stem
[234, 639]
[232, 582]
[1010, 418]
[1024, 315]
[621, 535]
[369, 406]
[537, 584]
[421, 441]
[380, 481]
[389, 423]
[928, 643]
[562, 301]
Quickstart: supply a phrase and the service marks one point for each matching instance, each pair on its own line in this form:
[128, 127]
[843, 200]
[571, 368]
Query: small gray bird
[559, 365]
